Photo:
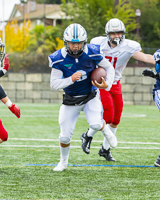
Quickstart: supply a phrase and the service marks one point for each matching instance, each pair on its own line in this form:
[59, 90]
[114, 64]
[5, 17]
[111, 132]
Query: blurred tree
[49, 1]
[43, 41]
[149, 22]
[16, 38]
[94, 14]
[1, 34]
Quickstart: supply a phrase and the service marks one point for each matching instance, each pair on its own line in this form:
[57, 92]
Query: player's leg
[157, 99]
[3, 133]
[157, 102]
[117, 104]
[93, 110]
[108, 114]
[68, 116]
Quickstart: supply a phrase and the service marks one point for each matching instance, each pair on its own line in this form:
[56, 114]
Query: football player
[156, 91]
[3, 97]
[118, 51]
[71, 71]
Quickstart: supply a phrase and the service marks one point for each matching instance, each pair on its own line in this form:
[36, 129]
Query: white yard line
[55, 140]
[43, 146]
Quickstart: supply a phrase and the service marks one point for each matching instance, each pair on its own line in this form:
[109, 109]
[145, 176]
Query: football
[97, 74]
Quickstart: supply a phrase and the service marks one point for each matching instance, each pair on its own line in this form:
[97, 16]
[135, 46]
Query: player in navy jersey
[3, 97]
[71, 71]
[156, 90]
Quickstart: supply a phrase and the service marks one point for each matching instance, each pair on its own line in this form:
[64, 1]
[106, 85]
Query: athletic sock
[112, 129]
[91, 132]
[65, 153]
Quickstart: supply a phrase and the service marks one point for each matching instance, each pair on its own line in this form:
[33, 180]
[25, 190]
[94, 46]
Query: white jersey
[119, 55]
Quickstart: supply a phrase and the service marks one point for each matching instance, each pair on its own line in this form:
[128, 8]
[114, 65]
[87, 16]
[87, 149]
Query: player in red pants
[3, 97]
[118, 51]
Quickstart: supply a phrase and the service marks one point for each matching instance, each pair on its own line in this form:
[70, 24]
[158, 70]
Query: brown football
[97, 74]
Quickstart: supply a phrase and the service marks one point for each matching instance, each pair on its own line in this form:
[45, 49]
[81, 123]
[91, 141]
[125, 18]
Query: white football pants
[68, 116]
[157, 99]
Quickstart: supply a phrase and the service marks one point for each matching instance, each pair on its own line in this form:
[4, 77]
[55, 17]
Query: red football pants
[3, 132]
[112, 102]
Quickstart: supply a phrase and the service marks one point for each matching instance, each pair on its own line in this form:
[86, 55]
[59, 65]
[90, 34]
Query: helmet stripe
[75, 29]
[75, 33]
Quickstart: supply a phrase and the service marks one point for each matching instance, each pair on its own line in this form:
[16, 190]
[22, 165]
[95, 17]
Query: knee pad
[96, 127]
[3, 132]
[64, 140]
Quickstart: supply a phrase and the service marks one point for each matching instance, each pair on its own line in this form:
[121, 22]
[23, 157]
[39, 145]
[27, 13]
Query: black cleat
[86, 141]
[106, 154]
[157, 162]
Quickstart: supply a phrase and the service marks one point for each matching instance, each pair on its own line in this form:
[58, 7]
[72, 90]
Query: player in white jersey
[118, 51]
[71, 71]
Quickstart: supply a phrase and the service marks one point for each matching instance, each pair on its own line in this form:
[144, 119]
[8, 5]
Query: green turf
[18, 180]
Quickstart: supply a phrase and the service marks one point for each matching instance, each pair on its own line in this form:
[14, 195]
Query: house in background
[47, 14]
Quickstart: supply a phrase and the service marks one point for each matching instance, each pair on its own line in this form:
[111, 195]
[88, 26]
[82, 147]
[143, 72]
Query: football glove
[6, 62]
[15, 110]
[151, 73]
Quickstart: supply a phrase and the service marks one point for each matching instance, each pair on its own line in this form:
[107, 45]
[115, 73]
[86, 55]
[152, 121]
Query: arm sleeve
[57, 81]
[2, 93]
[1, 73]
[110, 72]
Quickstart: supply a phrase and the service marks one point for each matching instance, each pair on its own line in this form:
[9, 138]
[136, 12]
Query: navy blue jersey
[85, 64]
[157, 85]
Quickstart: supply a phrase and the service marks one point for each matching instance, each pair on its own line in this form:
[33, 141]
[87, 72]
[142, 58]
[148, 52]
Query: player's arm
[58, 82]
[12, 107]
[5, 66]
[151, 73]
[106, 83]
[148, 58]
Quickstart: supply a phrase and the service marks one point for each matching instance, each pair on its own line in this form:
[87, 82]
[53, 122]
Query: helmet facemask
[116, 41]
[72, 53]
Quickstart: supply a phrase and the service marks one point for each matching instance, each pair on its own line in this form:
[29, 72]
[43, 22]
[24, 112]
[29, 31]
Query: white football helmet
[75, 33]
[115, 25]
[2, 52]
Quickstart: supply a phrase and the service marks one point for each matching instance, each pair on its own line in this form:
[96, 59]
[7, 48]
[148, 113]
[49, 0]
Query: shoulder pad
[55, 57]
[93, 48]
[98, 40]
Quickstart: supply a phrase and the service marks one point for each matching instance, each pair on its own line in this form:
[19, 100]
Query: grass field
[27, 159]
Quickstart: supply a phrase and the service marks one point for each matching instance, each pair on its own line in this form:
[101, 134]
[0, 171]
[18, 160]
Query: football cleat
[106, 154]
[61, 166]
[86, 141]
[157, 162]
